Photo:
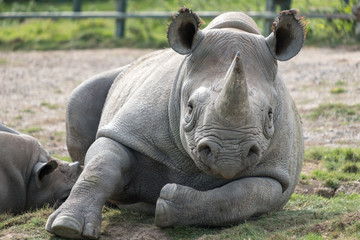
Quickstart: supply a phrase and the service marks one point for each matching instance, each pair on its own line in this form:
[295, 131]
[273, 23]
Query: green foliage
[28, 110]
[49, 105]
[30, 223]
[336, 164]
[29, 34]
[32, 130]
[332, 183]
[340, 83]
[340, 111]
[337, 90]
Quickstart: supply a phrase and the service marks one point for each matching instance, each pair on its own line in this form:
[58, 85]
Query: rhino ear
[183, 32]
[287, 38]
[42, 169]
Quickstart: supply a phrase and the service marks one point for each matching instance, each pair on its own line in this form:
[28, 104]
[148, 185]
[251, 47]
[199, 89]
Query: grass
[335, 165]
[337, 90]
[304, 216]
[49, 105]
[340, 111]
[30, 34]
[32, 130]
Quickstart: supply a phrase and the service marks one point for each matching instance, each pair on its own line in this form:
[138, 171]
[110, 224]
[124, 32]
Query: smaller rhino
[29, 176]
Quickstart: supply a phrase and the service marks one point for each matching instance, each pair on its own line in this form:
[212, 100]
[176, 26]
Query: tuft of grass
[31, 130]
[49, 105]
[348, 113]
[335, 164]
[340, 83]
[332, 183]
[337, 90]
[29, 225]
[28, 110]
[350, 168]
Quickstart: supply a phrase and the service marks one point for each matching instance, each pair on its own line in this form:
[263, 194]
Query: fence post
[76, 5]
[356, 12]
[270, 7]
[120, 23]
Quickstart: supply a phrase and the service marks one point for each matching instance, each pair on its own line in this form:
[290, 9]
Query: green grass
[340, 111]
[335, 165]
[49, 105]
[28, 110]
[337, 90]
[32, 130]
[303, 217]
[30, 34]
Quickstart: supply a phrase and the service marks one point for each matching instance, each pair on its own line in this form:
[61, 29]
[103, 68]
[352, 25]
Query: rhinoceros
[205, 132]
[29, 176]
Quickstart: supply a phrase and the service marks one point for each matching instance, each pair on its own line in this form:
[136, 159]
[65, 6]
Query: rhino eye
[269, 125]
[270, 114]
[190, 108]
[189, 118]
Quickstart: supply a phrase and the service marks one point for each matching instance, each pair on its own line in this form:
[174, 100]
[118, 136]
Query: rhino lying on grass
[29, 176]
[206, 131]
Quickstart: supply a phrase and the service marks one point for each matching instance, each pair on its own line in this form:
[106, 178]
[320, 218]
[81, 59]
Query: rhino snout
[225, 161]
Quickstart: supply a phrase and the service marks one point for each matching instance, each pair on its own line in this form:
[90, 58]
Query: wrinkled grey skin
[29, 176]
[209, 136]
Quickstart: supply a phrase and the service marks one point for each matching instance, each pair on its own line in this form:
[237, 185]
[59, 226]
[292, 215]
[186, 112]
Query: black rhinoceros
[29, 176]
[205, 132]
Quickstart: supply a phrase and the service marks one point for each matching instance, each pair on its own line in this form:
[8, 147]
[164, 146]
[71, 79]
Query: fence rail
[120, 15]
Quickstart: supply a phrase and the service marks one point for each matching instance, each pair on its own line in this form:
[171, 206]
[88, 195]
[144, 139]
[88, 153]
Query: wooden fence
[121, 15]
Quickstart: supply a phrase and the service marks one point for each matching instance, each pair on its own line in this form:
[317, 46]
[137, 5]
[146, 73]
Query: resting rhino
[29, 176]
[205, 132]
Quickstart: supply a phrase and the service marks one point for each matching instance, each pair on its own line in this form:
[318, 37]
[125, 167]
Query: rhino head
[51, 181]
[230, 98]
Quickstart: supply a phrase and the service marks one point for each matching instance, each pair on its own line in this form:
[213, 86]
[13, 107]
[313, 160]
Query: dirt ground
[35, 86]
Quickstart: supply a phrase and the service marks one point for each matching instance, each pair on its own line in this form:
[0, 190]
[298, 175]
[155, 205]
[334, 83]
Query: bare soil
[35, 86]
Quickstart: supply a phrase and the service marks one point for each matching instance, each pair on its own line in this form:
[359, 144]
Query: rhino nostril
[254, 152]
[205, 153]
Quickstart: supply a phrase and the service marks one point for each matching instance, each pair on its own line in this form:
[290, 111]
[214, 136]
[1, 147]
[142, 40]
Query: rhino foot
[78, 225]
[175, 206]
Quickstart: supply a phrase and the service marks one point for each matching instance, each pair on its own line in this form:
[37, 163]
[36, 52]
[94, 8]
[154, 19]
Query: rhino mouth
[227, 162]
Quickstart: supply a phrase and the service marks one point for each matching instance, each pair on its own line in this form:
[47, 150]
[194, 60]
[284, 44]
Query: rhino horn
[233, 100]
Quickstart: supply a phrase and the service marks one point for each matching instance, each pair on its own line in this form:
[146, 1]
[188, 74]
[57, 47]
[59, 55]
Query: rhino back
[18, 155]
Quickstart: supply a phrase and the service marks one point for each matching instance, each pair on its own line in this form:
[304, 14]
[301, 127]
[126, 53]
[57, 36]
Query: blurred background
[331, 22]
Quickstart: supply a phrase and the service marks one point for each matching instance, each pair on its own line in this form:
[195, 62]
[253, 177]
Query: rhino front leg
[83, 113]
[229, 204]
[107, 163]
